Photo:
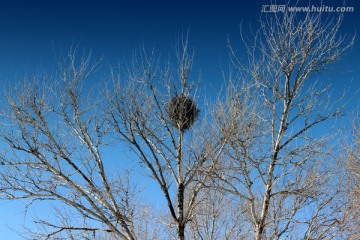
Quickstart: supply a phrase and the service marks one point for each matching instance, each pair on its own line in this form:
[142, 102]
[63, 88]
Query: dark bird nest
[182, 112]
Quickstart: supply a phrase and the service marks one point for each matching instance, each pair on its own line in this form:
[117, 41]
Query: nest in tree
[182, 112]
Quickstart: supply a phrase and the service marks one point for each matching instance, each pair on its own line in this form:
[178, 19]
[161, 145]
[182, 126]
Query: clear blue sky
[31, 30]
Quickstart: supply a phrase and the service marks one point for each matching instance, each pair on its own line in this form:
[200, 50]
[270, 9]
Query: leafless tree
[352, 154]
[59, 130]
[279, 159]
[155, 114]
[56, 132]
[262, 165]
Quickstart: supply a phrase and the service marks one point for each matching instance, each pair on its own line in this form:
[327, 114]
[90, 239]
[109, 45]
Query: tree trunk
[265, 206]
[180, 193]
[181, 225]
[181, 232]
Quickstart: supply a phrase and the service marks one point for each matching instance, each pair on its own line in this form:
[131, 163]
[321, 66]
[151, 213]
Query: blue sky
[30, 31]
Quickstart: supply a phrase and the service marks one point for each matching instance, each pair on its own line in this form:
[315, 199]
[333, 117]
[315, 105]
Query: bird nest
[182, 112]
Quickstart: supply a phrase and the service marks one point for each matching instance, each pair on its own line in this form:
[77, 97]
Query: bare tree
[155, 114]
[279, 159]
[57, 136]
[259, 166]
[352, 154]
[56, 133]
